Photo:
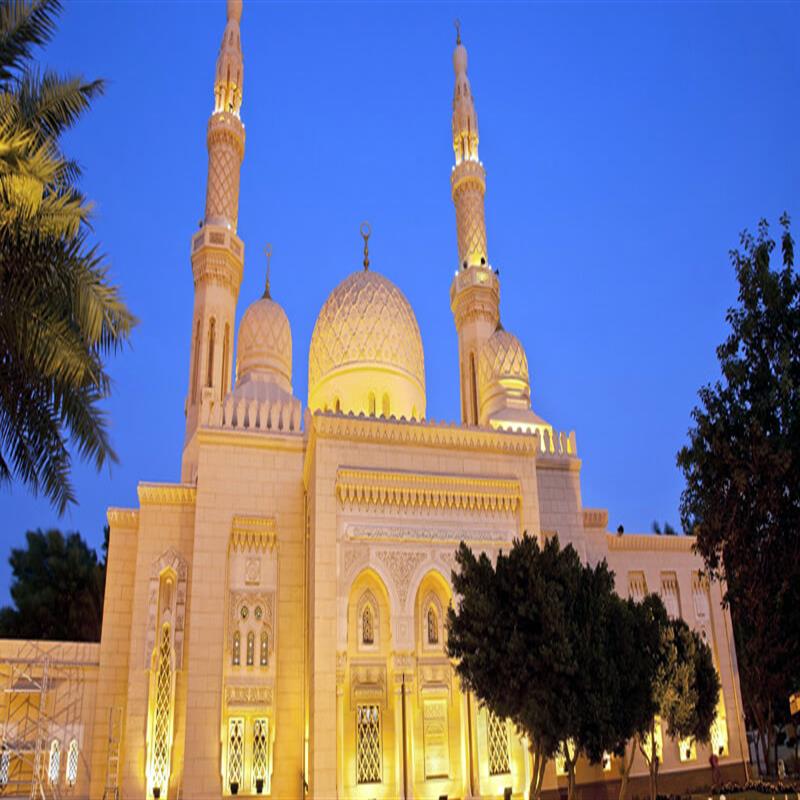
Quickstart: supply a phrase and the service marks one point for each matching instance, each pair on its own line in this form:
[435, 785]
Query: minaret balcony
[467, 170]
[477, 276]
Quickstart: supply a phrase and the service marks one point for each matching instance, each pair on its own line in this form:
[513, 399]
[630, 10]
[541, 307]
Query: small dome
[366, 351]
[265, 343]
[504, 385]
[502, 357]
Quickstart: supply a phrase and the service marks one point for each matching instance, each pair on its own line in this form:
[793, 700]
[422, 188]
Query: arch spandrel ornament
[173, 604]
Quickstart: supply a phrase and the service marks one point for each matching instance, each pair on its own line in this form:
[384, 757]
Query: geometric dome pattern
[265, 340]
[366, 320]
[502, 356]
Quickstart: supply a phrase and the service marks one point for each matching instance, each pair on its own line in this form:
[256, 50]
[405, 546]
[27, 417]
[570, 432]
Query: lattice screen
[72, 762]
[368, 744]
[260, 751]
[497, 736]
[5, 761]
[235, 750]
[163, 713]
[54, 766]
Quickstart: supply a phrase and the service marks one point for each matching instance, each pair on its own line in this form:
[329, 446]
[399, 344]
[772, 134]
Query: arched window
[264, 648]
[72, 762]
[196, 363]
[260, 752]
[251, 648]
[237, 649]
[235, 752]
[54, 764]
[162, 715]
[367, 625]
[337, 405]
[371, 404]
[433, 626]
[211, 336]
[226, 346]
[386, 406]
[473, 383]
[413, 412]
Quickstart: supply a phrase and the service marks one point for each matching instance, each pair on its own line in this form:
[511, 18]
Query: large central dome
[366, 352]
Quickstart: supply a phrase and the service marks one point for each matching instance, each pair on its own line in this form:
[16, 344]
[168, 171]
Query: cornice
[167, 494]
[330, 425]
[432, 490]
[123, 517]
[252, 534]
[262, 439]
[650, 541]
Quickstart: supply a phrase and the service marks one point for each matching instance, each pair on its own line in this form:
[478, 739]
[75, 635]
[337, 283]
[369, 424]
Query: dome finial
[457, 23]
[268, 254]
[366, 230]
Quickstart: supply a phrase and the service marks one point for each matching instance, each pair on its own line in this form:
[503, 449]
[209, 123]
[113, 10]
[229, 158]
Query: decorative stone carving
[252, 571]
[248, 695]
[401, 565]
[353, 558]
[443, 534]
[166, 494]
[252, 534]
[174, 607]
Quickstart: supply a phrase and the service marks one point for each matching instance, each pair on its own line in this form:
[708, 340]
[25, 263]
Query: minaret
[217, 252]
[475, 291]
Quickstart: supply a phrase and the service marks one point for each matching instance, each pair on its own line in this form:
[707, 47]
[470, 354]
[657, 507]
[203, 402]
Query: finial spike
[366, 230]
[457, 23]
[268, 254]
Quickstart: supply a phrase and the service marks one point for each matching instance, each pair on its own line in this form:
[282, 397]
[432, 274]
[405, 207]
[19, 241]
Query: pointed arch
[212, 333]
[368, 613]
[432, 599]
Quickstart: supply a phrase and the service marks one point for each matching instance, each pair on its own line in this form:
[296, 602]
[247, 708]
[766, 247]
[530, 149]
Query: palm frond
[23, 26]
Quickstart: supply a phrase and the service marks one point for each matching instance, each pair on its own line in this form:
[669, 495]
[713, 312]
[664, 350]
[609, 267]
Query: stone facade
[274, 624]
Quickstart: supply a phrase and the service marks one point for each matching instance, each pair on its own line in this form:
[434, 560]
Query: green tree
[57, 590]
[742, 471]
[685, 690]
[509, 636]
[60, 317]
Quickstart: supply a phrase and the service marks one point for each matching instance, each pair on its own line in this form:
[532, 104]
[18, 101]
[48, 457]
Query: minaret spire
[217, 252]
[475, 292]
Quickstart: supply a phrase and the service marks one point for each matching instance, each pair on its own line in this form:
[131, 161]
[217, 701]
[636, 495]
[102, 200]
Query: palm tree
[59, 314]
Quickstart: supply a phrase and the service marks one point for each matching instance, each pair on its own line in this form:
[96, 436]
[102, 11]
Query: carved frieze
[237, 695]
[401, 565]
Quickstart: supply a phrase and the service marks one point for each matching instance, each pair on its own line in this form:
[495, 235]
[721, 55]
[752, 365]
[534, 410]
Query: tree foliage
[60, 317]
[57, 589]
[742, 471]
[544, 641]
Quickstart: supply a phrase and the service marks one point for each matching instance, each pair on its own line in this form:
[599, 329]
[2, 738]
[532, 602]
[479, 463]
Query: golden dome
[265, 343]
[502, 358]
[366, 351]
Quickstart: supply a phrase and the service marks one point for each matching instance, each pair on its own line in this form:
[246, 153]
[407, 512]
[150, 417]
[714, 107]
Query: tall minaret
[217, 252]
[475, 292]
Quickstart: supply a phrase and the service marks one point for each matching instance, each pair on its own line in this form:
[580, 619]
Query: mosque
[274, 623]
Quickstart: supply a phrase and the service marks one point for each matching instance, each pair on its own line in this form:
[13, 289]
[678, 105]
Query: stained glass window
[264, 648]
[368, 744]
[433, 627]
[367, 626]
[237, 649]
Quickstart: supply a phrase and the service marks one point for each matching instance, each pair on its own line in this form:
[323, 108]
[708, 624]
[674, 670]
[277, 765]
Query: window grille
[163, 714]
[637, 586]
[719, 734]
[497, 735]
[367, 626]
[235, 750]
[433, 627]
[670, 594]
[251, 647]
[260, 739]
[368, 744]
[237, 649]
[5, 763]
[72, 762]
[54, 765]
[264, 648]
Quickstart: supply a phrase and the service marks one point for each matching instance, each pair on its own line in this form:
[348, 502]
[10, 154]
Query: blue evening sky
[626, 146]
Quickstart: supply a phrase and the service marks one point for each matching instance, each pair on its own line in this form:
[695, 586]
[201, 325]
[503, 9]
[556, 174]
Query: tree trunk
[537, 773]
[570, 764]
[625, 772]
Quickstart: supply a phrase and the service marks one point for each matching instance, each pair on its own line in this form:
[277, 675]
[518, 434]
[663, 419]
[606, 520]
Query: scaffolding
[43, 696]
